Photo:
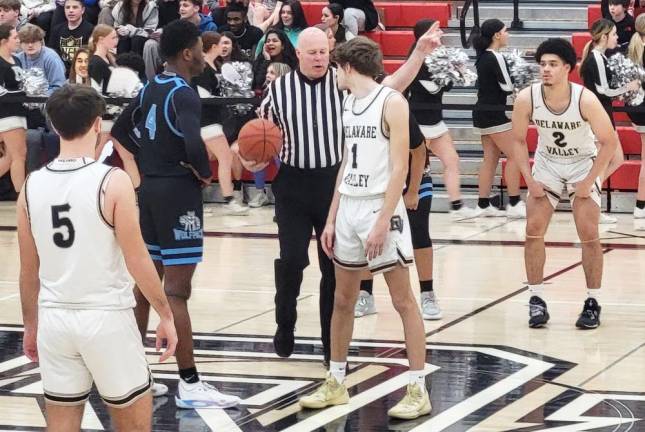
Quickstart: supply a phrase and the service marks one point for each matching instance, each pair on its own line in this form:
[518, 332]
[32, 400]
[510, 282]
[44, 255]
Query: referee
[307, 106]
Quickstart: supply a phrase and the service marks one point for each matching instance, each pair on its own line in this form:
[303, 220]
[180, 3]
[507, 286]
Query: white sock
[337, 369]
[537, 290]
[417, 377]
[594, 293]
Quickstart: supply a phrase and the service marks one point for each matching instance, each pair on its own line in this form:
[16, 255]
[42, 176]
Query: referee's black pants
[302, 201]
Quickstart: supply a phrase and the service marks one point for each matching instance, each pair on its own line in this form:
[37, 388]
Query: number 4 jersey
[564, 137]
[368, 167]
[81, 263]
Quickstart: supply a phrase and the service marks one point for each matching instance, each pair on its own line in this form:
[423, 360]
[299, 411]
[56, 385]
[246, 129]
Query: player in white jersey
[367, 226]
[79, 235]
[567, 117]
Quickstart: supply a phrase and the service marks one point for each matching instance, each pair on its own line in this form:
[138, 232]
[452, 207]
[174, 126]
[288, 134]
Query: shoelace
[535, 310]
[362, 301]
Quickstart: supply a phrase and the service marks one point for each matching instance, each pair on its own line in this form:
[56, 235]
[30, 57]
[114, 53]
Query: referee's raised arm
[307, 106]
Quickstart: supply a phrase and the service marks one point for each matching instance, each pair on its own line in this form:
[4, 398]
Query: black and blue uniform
[162, 128]
[420, 218]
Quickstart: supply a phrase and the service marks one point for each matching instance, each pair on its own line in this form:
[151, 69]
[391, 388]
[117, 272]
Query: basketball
[259, 140]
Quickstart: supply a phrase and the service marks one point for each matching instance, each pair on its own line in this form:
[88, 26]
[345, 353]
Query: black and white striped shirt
[309, 113]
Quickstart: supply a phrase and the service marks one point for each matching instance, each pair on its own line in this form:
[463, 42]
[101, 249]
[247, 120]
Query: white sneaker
[430, 306]
[259, 199]
[238, 196]
[463, 214]
[159, 389]
[606, 219]
[490, 211]
[639, 213]
[364, 305]
[233, 208]
[518, 211]
[202, 395]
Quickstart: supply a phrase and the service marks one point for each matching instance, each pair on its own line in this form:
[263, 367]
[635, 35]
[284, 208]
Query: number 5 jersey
[81, 263]
[564, 137]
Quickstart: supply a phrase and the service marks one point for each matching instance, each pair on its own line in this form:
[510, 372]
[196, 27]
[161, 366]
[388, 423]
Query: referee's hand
[166, 333]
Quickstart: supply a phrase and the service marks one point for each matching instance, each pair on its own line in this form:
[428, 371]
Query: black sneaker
[538, 315]
[590, 316]
[283, 342]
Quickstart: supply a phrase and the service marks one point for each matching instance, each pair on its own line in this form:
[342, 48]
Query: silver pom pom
[625, 71]
[34, 82]
[450, 66]
[237, 82]
[522, 72]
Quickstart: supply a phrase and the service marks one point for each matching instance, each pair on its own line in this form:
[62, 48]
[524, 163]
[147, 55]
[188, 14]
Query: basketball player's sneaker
[518, 211]
[430, 306]
[590, 316]
[234, 208]
[606, 219]
[202, 395]
[259, 198]
[538, 314]
[639, 213]
[490, 211]
[463, 214]
[331, 392]
[415, 404]
[364, 305]
[238, 196]
[159, 389]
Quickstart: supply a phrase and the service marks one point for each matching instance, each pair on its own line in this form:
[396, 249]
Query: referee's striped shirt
[309, 113]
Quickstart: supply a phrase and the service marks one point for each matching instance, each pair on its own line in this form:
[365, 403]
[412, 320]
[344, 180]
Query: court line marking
[612, 364]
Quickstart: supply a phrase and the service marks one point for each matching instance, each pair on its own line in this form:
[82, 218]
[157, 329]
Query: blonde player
[77, 231]
[367, 226]
[567, 163]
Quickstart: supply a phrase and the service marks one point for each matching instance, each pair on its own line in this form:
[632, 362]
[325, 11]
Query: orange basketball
[259, 140]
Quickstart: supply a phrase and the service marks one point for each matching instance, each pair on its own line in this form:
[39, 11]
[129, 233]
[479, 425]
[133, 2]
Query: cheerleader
[13, 122]
[207, 85]
[437, 137]
[104, 40]
[493, 86]
[596, 77]
[635, 52]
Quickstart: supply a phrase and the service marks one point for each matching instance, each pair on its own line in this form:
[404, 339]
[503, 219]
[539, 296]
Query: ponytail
[599, 29]
[484, 35]
[586, 51]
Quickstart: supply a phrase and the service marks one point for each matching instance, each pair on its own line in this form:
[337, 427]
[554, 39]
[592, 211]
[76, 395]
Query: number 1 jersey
[564, 137]
[81, 263]
[368, 166]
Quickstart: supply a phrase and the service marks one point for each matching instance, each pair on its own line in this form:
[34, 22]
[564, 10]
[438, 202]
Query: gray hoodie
[149, 17]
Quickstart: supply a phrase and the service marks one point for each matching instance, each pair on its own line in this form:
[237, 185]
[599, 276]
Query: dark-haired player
[162, 126]
[77, 231]
[567, 164]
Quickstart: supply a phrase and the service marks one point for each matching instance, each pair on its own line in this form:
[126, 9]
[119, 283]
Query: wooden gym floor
[487, 370]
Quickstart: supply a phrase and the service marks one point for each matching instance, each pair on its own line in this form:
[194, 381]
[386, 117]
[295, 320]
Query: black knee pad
[420, 224]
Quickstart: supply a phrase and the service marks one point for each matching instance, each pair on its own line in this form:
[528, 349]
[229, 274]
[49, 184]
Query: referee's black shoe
[283, 341]
[590, 316]
[538, 315]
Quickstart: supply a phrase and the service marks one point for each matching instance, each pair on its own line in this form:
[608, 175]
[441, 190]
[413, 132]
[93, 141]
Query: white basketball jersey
[368, 167]
[81, 264]
[565, 137]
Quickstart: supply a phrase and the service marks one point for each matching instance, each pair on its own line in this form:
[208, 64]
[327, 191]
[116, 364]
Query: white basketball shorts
[78, 347]
[560, 179]
[354, 222]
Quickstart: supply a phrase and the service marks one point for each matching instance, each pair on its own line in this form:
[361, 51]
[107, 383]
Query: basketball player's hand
[536, 189]
[583, 188]
[327, 239]
[166, 333]
[430, 39]
[29, 345]
[376, 239]
[411, 200]
[252, 166]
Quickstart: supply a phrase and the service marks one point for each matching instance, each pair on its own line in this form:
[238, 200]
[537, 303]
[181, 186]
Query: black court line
[614, 363]
[627, 235]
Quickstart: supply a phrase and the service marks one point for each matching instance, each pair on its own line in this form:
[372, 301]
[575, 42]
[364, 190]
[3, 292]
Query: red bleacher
[396, 14]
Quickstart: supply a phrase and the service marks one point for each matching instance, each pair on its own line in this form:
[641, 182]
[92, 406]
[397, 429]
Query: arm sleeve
[151, 23]
[125, 126]
[188, 110]
[502, 75]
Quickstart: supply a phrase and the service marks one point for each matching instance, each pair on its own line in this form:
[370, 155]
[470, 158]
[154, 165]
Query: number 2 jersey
[368, 167]
[564, 137]
[81, 263]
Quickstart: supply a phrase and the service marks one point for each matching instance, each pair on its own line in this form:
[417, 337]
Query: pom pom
[522, 73]
[237, 81]
[450, 66]
[625, 71]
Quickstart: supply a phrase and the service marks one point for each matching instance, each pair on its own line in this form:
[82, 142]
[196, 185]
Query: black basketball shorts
[171, 215]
